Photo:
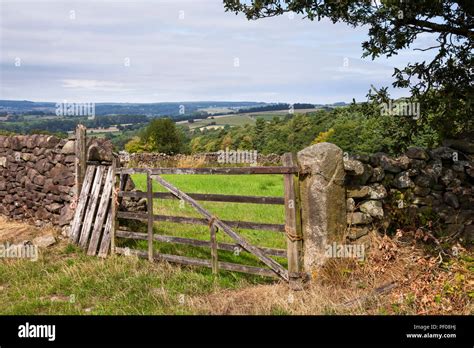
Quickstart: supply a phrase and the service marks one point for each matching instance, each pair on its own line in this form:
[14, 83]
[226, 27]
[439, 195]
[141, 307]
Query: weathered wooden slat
[113, 208]
[81, 205]
[91, 207]
[117, 201]
[293, 232]
[164, 257]
[228, 266]
[199, 262]
[80, 149]
[101, 212]
[215, 170]
[149, 186]
[275, 266]
[214, 253]
[210, 197]
[194, 242]
[107, 237]
[199, 221]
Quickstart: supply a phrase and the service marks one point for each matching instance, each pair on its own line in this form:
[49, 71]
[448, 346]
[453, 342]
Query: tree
[227, 142]
[162, 136]
[443, 87]
[135, 145]
[323, 136]
[259, 134]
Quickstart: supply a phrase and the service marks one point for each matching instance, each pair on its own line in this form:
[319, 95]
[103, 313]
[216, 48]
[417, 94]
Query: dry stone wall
[37, 178]
[413, 189]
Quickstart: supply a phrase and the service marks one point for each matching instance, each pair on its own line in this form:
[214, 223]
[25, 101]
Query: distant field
[231, 120]
[40, 117]
[240, 119]
[216, 110]
[277, 112]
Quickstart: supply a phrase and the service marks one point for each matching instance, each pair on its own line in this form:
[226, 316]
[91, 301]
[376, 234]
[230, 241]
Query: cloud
[177, 50]
[94, 85]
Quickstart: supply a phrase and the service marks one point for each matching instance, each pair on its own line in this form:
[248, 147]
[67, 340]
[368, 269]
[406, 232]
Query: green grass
[66, 281]
[257, 185]
[242, 119]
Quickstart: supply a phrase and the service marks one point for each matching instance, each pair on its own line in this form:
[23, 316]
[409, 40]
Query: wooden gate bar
[275, 266]
[200, 221]
[194, 242]
[210, 197]
[227, 266]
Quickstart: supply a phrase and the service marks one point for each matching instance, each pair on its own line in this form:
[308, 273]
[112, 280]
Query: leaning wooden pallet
[93, 221]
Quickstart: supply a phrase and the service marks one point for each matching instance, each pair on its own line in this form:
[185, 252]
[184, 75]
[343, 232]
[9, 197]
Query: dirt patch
[17, 232]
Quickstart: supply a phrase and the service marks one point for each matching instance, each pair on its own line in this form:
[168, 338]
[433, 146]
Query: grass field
[64, 280]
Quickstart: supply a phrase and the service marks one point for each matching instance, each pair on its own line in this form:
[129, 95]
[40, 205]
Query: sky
[147, 51]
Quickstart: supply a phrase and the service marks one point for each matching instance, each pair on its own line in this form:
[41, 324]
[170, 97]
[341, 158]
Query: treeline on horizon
[357, 129]
[60, 127]
[21, 123]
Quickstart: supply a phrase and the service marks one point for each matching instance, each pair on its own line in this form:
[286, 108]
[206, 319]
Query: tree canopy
[161, 135]
[443, 86]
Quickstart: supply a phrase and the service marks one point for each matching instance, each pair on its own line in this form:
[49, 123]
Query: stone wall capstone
[155, 159]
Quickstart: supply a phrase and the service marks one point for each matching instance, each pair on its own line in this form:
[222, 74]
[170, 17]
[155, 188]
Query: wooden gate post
[294, 235]
[81, 157]
[149, 186]
[214, 255]
[114, 205]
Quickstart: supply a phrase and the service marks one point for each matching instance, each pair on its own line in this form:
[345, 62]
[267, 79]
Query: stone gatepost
[323, 201]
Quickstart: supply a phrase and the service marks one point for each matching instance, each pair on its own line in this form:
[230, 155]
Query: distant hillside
[152, 109]
[176, 110]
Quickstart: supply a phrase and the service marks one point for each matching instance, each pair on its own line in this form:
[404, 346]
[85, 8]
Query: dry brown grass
[395, 278]
[191, 162]
[12, 231]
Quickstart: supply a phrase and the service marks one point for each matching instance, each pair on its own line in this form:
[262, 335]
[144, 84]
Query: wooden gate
[291, 226]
